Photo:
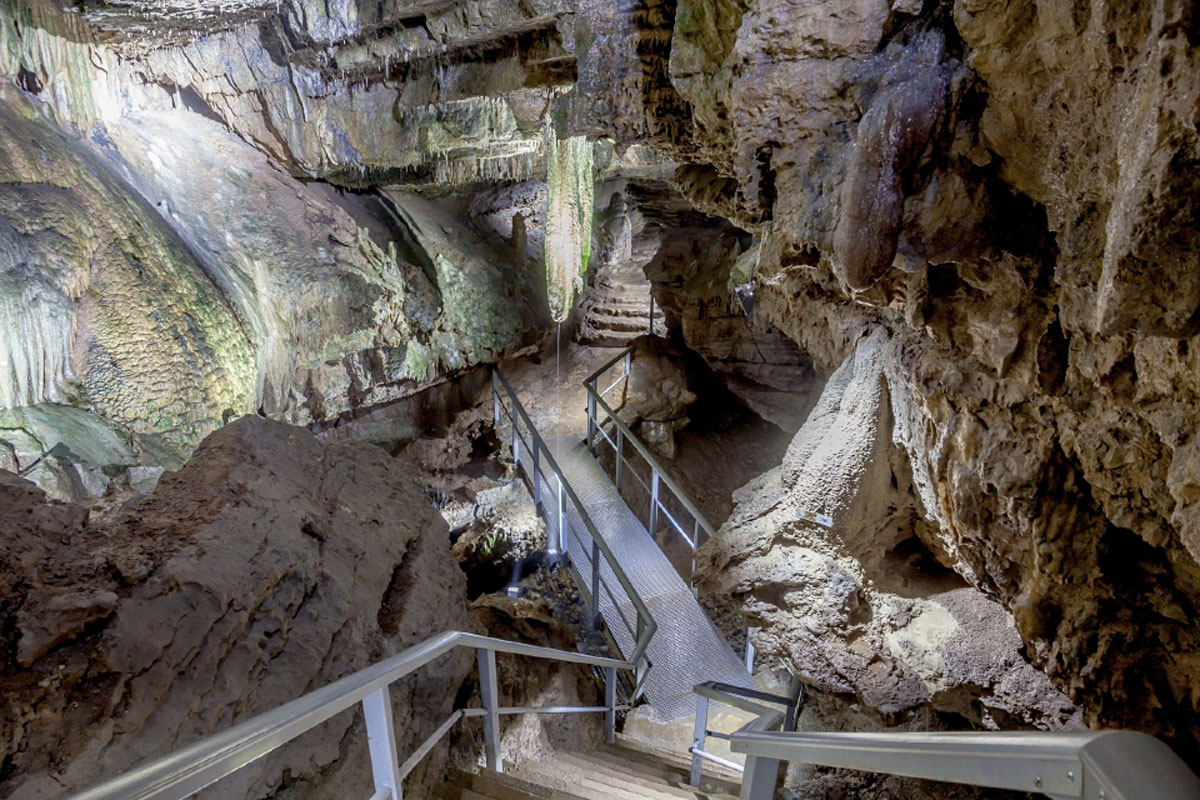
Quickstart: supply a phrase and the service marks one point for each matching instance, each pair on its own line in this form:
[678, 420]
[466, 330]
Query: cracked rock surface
[269, 566]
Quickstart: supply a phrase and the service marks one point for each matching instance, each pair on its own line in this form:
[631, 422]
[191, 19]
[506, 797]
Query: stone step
[606, 322]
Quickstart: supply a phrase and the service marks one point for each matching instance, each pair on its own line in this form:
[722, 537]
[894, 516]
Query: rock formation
[268, 566]
[864, 611]
[992, 202]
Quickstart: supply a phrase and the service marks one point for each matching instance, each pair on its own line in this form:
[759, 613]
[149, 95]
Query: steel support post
[516, 445]
[490, 696]
[653, 501]
[591, 421]
[595, 584]
[795, 688]
[560, 538]
[537, 476]
[698, 737]
[620, 456]
[381, 741]
[610, 702]
[760, 778]
[749, 653]
[639, 672]
[495, 401]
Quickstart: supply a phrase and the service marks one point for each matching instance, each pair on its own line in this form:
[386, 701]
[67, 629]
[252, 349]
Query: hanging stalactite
[568, 218]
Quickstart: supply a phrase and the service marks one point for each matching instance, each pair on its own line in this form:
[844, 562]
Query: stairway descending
[626, 771]
[617, 308]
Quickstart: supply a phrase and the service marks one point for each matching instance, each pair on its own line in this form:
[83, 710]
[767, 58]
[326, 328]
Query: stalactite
[568, 218]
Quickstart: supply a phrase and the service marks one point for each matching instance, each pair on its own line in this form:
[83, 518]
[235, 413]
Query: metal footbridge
[584, 510]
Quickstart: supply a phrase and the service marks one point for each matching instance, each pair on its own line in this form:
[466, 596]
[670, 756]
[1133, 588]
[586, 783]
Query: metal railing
[588, 576]
[700, 528]
[189, 769]
[745, 699]
[1096, 765]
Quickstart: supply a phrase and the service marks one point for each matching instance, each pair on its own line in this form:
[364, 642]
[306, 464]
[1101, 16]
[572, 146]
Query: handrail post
[653, 500]
[495, 401]
[620, 456]
[516, 445]
[760, 778]
[610, 702]
[749, 653]
[698, 736]
[381, 741]
[595, 585]
[537, 475]
[639, 672]
[591, 420]
[489, 695]
[561, 537]
[628, 365]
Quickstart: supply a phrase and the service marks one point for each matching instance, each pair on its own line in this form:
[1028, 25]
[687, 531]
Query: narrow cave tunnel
[586, 399]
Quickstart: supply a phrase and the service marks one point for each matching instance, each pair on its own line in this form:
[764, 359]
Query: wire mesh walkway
[687, 649]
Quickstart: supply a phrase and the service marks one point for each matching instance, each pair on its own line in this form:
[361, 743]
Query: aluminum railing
[588, 576]
[189, 769]
[700, 528]
[1096, 765]
[745, 699]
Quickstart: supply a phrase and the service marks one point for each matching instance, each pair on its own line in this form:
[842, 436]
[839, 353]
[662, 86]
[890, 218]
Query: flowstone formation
[129, 636]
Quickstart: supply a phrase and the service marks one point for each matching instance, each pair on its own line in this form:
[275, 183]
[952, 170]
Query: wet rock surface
[268, 566]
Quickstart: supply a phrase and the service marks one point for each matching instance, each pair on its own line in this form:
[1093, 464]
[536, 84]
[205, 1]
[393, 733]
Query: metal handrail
[1093, 765]
[188, 770]
[658, 472]
[646, 624]
[767, 719]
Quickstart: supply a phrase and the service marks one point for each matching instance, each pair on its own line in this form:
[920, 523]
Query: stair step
[635, 749]
[665, 783]
[498, 786]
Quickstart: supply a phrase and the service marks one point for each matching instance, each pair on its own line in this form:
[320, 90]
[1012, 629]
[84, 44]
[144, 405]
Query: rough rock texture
[268, 566]
[654, 401]
[1004, 191]
[852, 610]
[1041, 303]
[538, 682]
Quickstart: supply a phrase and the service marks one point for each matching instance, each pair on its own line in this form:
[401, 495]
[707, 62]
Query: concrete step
[621, 773]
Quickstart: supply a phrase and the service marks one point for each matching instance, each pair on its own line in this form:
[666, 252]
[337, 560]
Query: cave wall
[1004, 193]
[1007, 190]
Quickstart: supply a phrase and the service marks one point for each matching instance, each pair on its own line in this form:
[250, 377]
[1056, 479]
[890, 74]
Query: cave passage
[847, 355]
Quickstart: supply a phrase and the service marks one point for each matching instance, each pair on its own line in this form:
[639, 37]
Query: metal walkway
[686, 649]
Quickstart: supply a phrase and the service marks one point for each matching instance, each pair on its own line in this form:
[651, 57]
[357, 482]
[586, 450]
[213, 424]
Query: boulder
[269, 566]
